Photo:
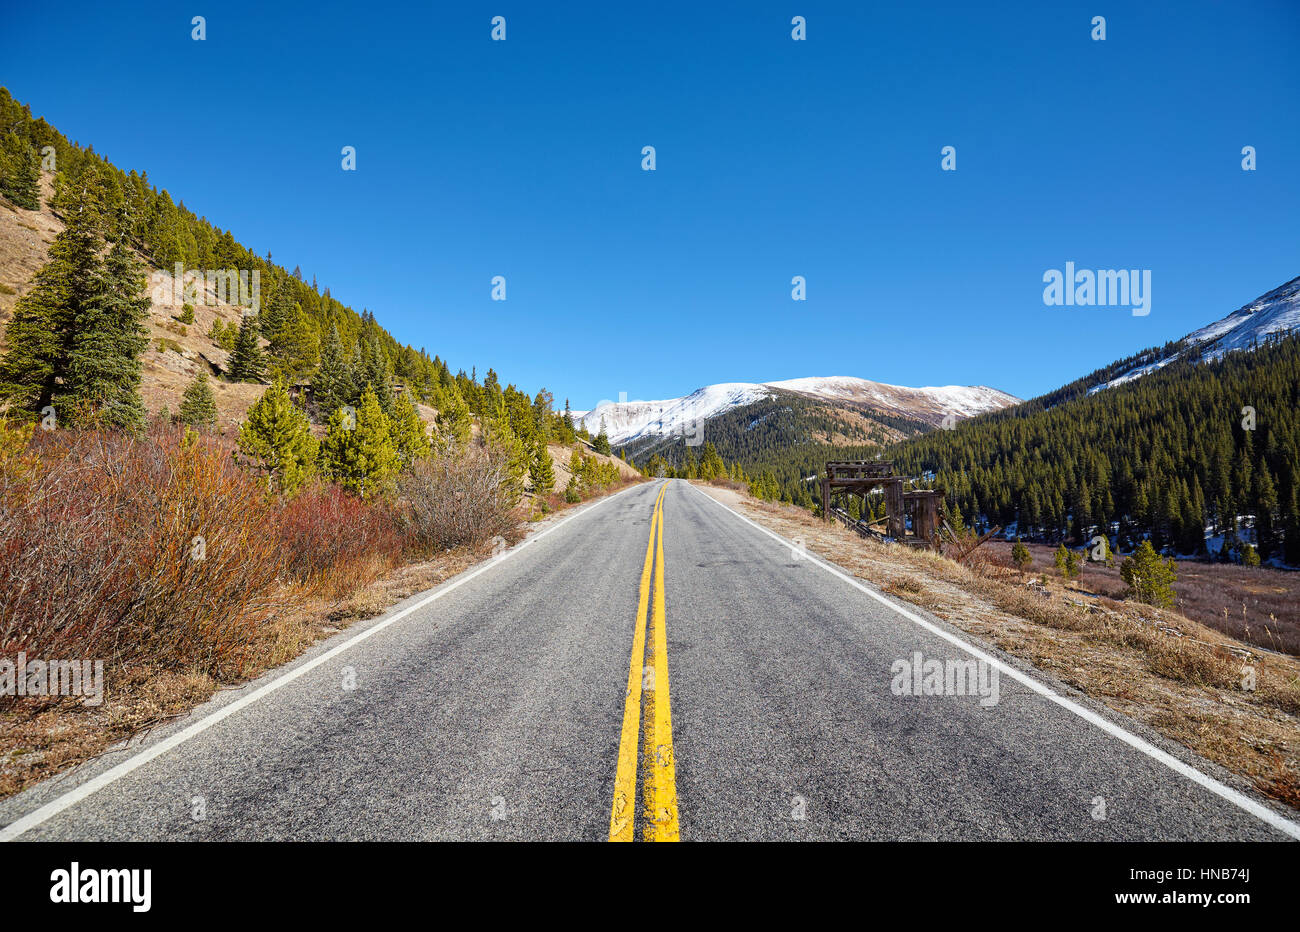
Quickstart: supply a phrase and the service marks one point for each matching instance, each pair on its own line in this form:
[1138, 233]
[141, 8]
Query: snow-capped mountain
[632, 420]
[1278, 311]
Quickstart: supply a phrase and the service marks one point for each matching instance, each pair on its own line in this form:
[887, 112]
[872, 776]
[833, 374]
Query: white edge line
[1263, 813]
[74, 796]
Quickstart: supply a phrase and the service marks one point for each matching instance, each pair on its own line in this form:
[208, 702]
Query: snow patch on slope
[1278, 311]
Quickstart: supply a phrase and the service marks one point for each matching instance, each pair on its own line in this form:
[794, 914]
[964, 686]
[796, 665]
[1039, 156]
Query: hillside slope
[1197, 448]
[1273, 313]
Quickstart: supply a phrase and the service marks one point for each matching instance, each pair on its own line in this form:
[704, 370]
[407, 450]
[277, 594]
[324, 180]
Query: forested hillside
[1191, 447]
[299, 334]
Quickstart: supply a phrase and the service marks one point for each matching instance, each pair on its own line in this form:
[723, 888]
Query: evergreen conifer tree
[410, 435]
[498, 434]
[102, 387]
[247, 363]
[75, 337]
[601, 443]
[198, 406]
[454, 422]
[333, 385]
[276, 438]
[358, 452]
[295, 349]
[20, 172]
[540, 469]
[1150, 579]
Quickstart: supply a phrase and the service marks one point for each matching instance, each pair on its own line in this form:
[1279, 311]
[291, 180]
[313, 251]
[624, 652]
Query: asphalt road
[495, 706]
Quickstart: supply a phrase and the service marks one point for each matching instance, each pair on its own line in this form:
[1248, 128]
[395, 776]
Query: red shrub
[334, 540]
[123, 549]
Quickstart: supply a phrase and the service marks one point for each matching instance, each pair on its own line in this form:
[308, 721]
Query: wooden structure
[925, 506]
[862, 477]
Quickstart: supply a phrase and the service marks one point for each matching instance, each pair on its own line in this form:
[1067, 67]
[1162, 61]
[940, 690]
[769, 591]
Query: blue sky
[776, 158]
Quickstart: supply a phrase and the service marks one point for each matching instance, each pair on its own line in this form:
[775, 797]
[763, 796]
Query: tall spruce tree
[102, 387]
[75, 338]
[601, 443]
[498, 435]
[20, 172]
[295, 349]
[410, 435]
[455, 425]
[248, 363]
[540, 469]
[334, 383]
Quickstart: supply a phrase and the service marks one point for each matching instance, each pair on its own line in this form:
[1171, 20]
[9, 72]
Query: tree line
[1197, 447]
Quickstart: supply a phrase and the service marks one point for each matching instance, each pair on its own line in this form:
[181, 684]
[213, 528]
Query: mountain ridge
[628, 421]
[1275, 312]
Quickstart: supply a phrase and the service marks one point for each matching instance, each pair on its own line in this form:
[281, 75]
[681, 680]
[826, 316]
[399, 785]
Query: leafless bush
[459, 498]
[156, 549]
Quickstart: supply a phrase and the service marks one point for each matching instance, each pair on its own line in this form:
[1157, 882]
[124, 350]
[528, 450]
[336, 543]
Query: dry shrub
[335, 543]
[726, 482]
[124, 549]
[1177, 659]
[459, 498]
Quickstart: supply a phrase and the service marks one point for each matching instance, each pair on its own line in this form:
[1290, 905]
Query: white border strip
[1263, 813]
[72, 797]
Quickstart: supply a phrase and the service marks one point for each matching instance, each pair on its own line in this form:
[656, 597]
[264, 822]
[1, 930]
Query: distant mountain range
[630, 421]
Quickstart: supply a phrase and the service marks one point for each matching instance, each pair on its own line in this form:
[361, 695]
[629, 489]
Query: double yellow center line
[648, 677]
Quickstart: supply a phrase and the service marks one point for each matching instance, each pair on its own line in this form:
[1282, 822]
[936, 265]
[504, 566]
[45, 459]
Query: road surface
[642, 671]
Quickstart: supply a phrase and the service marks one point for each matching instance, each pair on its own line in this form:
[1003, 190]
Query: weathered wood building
[845, 478]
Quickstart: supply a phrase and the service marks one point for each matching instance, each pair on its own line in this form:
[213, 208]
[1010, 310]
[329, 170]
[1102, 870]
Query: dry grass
[1258, 605]
[1171, 673]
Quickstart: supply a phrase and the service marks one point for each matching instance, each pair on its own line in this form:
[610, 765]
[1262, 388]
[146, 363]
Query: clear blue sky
[775, 158]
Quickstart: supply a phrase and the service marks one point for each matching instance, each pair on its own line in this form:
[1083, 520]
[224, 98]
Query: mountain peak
[632, 420]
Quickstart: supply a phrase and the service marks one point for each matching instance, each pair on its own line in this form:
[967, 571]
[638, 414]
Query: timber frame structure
[861, 477]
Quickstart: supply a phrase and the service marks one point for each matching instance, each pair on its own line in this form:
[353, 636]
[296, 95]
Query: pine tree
[377, 370]
[276, 438]
[540, 469]
[358, 452]
[20, 172]
[410, 435]
[1150, 579]
[454, 422]
[274, 314]
[247, 363]
[1020, 556]
[1067, 562]
[76, 336]
[334, 383]
[711, 464]
[601, 443]
[498, 435]
[295, 349]
[198, 406]
[102, 387]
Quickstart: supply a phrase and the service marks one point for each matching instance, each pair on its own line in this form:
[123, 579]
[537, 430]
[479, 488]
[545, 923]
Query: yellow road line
[622, 821]
[661, 775]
